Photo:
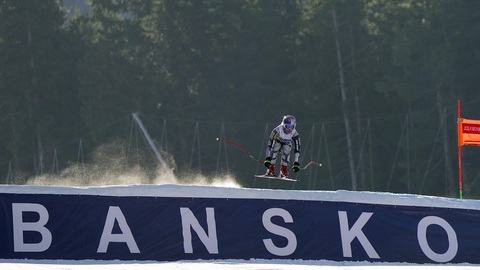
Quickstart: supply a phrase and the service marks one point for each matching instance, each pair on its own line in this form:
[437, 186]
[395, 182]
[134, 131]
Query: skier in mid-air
[283, 138]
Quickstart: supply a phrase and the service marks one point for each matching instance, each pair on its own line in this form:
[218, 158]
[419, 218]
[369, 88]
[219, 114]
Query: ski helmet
[289, 122]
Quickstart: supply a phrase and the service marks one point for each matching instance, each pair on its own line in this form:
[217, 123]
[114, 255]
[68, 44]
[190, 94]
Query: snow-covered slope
[174, 190]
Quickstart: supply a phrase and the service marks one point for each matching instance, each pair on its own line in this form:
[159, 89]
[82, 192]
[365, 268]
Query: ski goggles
[289, 126]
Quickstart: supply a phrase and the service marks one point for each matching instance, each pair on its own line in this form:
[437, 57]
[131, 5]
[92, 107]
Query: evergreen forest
[374, 86]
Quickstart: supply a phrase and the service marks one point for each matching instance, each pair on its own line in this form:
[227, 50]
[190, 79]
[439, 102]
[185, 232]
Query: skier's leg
[274, 153]
[275, 148]
[286, 149]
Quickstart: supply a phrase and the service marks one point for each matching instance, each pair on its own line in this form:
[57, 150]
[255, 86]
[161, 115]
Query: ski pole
[259, 161]
[311, 163]
[241, 148]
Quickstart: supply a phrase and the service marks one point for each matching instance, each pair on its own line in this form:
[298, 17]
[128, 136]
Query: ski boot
[284, 171]
[271, 171]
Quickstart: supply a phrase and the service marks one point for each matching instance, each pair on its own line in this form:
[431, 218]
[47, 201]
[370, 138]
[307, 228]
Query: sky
[230, 190]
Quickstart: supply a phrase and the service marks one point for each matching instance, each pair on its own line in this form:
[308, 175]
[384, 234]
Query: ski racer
[283, 138]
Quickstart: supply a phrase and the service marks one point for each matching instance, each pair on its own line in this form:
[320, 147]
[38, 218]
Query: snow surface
[175, 190]
[223, 265]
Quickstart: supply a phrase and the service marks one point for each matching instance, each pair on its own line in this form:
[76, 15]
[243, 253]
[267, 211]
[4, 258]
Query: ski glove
[296, 167]
[268, 162]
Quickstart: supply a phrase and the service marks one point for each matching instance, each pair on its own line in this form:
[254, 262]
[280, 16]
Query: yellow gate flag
[468, 132]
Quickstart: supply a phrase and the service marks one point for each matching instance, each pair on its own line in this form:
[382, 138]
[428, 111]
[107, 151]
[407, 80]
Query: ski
[276, 178]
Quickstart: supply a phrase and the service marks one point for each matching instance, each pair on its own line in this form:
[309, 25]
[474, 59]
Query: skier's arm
[272, 140]
[296, 148]
[268, 152]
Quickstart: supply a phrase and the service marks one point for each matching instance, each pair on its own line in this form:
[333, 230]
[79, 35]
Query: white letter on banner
[355, 232]
[114, 213]
[19, 227]
[422, 239]
[189, 221]
[275, 229]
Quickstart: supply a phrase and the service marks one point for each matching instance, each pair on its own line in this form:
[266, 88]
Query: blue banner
[47, 226]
